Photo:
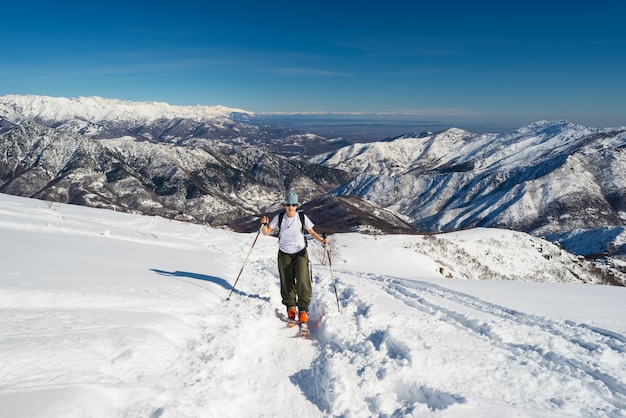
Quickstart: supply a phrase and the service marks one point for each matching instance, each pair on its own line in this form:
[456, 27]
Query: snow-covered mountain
[109, 314]
[207, 164]
[101, 118]
[103, 110]
[216, 182]
[548, 177]
[193, 163]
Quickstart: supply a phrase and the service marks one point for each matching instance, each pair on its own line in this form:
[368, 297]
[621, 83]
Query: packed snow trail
[445, 350]
[246, 354]
[105, 314]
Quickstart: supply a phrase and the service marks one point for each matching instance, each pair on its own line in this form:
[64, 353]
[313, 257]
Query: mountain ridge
[100, 118]
[97, 109]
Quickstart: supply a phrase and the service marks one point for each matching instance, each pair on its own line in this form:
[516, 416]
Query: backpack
[280, 222]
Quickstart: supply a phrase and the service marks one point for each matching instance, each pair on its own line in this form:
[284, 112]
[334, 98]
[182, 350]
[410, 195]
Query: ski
[304, 330]
[291, 322]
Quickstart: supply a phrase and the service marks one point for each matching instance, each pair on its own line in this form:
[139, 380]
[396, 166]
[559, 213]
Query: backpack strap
[302, 221]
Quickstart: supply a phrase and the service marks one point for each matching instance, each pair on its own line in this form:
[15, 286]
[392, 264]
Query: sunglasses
[293, 206]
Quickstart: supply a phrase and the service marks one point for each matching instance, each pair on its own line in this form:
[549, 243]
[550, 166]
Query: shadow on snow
[181, 275]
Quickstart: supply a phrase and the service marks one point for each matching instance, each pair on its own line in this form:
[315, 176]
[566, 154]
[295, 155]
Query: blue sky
[512, 63]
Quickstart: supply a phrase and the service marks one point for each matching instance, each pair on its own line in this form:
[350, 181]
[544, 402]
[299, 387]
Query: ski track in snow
[398, 347]
[569, 357]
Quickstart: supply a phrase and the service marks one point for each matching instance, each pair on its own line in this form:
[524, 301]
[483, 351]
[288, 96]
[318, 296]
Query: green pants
[295, 279]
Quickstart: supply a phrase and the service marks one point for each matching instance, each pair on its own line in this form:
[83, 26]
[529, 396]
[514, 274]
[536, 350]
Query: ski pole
[330, 265]
[244, 262]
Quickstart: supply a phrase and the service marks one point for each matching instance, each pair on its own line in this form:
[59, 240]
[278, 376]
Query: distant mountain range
[543, 178]
[194, 164]
[214, 165]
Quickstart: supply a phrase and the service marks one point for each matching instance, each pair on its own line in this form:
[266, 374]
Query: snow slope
[104, 314]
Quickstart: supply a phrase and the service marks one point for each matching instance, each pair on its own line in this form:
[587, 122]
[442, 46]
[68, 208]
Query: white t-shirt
[290, 237]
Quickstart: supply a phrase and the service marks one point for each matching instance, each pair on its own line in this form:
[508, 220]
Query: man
[293, 260]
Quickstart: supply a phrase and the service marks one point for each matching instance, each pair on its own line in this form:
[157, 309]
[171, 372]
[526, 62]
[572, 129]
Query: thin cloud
[306, 72]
